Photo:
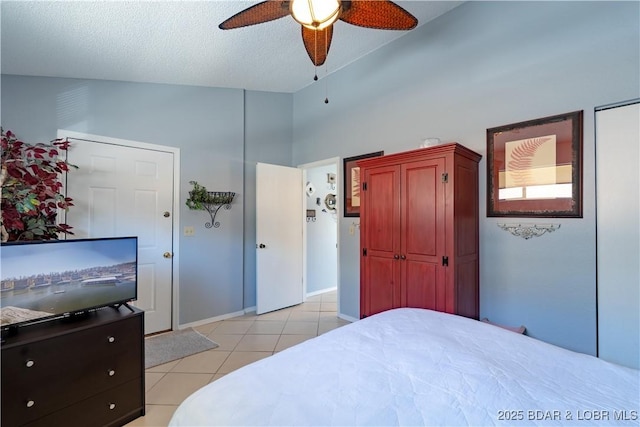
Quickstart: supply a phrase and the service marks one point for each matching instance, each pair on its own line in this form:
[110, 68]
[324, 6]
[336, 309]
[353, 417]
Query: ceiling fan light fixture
[315, 14]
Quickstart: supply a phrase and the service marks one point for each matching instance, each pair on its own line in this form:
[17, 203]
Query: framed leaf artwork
[534, 168]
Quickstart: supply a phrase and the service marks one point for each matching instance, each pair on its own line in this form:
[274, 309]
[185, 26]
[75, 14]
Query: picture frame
[351, 183]
[534, 168]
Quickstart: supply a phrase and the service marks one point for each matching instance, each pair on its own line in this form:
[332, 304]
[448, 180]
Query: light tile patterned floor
[241, 340]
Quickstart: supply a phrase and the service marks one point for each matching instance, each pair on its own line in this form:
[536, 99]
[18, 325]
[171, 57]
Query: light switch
[189, 231]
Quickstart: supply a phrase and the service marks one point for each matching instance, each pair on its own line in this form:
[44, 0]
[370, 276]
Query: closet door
[618, 233]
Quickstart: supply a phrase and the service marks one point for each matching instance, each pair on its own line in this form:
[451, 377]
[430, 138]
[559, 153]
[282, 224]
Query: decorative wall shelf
[527, 231]
[218, 199]
[210, 201]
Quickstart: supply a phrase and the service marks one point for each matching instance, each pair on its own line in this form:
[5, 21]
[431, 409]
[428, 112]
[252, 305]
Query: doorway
[320, 242]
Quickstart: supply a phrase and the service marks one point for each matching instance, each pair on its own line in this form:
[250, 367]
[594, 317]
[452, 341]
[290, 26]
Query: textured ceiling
[176, 42]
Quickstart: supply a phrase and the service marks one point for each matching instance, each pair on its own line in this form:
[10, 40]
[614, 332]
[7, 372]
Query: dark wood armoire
[419, 231]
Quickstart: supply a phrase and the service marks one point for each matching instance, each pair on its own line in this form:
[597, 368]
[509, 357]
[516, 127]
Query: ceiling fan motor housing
[315, 14]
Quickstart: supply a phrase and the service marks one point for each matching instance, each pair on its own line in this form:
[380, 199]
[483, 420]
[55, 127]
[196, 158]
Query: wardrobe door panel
[420, 289]
[466, 208]
[382, 285]
[422, 209]
[383, 210]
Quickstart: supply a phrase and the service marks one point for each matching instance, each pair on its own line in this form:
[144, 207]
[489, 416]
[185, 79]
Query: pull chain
[326, 90]
[315, 51]
[326, 67]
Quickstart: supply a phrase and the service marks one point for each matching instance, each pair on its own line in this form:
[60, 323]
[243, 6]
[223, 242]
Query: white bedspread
[419, 367]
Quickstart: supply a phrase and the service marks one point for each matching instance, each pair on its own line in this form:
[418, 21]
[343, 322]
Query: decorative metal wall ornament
[218, 200]
[310, 189]
[210, 201]
[527, 231]
[330, 202]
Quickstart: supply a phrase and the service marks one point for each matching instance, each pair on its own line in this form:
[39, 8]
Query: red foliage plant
[32, 190]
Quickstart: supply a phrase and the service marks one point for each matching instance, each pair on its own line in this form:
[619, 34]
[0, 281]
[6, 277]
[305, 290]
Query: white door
[279, 224]
[126, 191]
[618, 233]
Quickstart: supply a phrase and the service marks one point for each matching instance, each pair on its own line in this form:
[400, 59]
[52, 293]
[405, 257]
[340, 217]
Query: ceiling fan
[318, 16]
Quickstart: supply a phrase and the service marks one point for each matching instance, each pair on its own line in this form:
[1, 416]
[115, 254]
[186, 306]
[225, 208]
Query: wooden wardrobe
[419, 231]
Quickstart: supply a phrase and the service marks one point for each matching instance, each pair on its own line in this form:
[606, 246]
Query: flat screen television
[41, 280]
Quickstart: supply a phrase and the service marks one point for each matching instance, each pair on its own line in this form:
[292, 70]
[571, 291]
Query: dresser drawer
[41, 377]
[113, 407]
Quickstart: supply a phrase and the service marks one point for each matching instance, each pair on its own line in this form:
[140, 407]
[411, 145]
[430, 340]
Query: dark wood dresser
[83, 372]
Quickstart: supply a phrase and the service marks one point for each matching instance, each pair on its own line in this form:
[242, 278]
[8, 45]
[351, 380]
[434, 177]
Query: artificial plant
[199, 197]
[32, 190]
[210, 201]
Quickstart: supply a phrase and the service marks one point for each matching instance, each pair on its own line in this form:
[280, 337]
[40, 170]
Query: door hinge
[364, 251]
[364, 186]
[445, 261]
[445, 177]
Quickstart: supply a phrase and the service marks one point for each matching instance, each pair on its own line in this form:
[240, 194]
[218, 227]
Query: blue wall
[486, 64]
[268, 132]
[212, 127]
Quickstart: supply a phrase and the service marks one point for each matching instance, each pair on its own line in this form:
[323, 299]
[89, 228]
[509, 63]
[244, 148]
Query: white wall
[482, 65]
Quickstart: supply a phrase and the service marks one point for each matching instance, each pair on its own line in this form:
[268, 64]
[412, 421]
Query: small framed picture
[351, 193]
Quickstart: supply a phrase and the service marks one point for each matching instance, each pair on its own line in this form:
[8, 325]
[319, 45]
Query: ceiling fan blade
[379, 14]
[317, 43]
[257, 14]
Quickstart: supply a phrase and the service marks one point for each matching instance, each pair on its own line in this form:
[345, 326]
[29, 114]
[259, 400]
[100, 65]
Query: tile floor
[241, 340]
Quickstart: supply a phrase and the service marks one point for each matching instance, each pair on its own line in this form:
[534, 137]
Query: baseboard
[252, 310]
[211, 319]
[320, 292]
[347, 318]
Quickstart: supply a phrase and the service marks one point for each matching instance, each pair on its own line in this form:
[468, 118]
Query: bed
[419, 367]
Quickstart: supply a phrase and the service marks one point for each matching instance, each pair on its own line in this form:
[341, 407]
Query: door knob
[396, 256]
[403, 257]
[166, 214]
[262, 246]
[167, 255]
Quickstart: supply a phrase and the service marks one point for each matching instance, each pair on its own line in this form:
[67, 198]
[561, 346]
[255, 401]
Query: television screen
[43, 279]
